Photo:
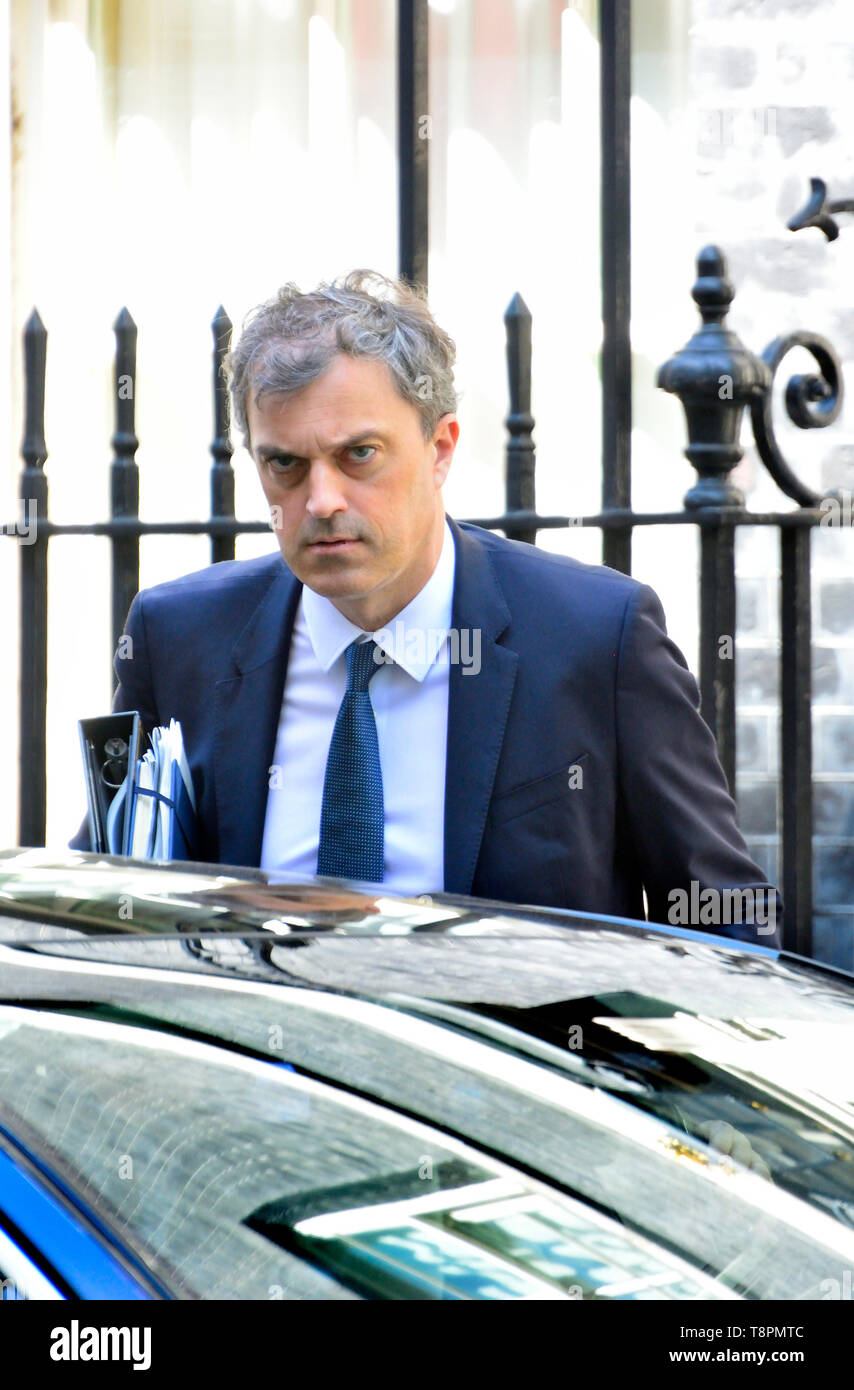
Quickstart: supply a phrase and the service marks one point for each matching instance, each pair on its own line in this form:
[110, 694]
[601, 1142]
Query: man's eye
[280, 463]
[362, 452]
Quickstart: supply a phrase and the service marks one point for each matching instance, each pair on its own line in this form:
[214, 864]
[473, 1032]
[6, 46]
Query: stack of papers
[138, 806]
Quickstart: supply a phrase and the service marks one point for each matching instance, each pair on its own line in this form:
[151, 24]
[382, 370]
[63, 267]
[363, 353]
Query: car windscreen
[235, 1177]
[641, 1173]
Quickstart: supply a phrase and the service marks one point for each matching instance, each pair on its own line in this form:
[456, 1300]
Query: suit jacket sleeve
[134, 690]
[678, 811]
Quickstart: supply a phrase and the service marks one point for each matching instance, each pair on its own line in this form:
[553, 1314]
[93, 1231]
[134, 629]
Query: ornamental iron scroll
[715, 376]
[812, 402]
[818, 212]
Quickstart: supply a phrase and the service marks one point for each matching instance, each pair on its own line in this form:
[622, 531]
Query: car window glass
[223, 1166]
[238, 1178]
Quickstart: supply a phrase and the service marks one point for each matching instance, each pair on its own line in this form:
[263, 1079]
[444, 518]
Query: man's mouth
[335, 543]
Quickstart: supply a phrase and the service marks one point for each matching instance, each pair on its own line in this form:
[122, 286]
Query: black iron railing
[714, 376]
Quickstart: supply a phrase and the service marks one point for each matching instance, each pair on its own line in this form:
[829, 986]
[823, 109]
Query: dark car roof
[326, 933]
[463, 1014]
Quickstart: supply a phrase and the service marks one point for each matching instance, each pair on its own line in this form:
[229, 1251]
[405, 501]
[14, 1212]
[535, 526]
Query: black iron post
[413, 130]
[124, 478]
[222, 472]
[717, 640]
[520, 465]
[796, 738]
[32, 797]
[615, 85]
[715, 377]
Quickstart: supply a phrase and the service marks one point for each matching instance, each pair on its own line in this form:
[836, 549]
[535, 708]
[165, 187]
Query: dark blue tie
[352, 817]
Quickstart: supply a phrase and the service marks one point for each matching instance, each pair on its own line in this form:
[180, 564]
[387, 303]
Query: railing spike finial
[124, 321]
[124, 441]
[517, 308]
[33, 445]
[712, 291]
[715, 376]
[520, 449]
[34, 327]
[221, 323]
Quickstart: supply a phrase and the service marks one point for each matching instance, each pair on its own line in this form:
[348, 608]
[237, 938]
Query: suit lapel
[248, 705]
[478, 706]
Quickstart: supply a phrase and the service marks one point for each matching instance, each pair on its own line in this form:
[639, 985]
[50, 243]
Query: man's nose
[324, 489]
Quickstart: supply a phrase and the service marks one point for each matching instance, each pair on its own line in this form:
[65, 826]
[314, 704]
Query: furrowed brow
[271, 451]
[268, 451]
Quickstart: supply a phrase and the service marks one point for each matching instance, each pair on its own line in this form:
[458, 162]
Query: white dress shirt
[409, 694]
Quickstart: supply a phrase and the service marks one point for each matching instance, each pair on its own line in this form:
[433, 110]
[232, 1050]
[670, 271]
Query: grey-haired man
[570, 767]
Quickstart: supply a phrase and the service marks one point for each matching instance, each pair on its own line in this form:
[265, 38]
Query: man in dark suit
[547, 750]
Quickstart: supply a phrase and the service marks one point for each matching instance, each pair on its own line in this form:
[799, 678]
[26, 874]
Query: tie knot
[361, 666]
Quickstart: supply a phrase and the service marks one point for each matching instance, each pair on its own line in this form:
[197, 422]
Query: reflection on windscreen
[472, 1236]
[781, 1089]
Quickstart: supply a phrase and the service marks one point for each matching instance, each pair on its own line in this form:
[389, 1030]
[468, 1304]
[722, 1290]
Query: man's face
[353, 486]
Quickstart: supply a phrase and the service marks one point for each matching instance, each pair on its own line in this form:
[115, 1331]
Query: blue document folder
[141, 806]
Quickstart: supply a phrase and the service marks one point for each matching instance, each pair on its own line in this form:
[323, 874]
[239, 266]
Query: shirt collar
[412, 640]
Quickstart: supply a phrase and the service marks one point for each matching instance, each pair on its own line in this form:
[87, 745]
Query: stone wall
[771, 81]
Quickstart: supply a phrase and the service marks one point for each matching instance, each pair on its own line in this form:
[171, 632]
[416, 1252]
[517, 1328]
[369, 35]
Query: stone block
[800, 125]
[727, 66]
[837, 469]
[833, 874]
[833, 675]
[753, 739]
[766, 855]
[833, 939]
[836, 607]
[781, 267]
[756, 676]
[716, 11]
[757, 807]
[752, 607]
[833, 809]
[833, 743]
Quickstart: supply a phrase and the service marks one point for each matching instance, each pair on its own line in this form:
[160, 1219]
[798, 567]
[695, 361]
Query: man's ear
[444, 441]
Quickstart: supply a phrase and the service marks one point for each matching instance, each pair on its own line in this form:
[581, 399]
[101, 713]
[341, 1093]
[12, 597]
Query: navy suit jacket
[579, 772]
